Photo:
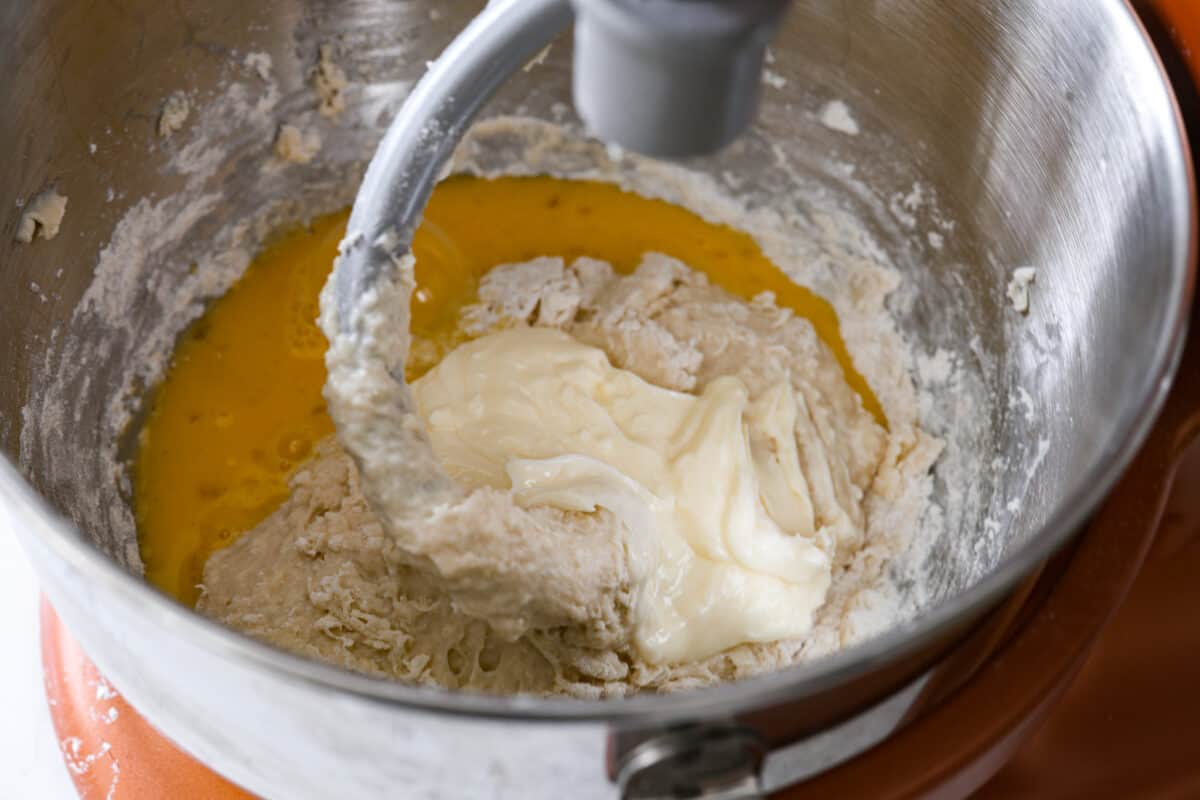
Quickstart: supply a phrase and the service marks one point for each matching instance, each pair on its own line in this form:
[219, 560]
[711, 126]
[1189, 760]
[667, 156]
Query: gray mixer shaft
[671, 78]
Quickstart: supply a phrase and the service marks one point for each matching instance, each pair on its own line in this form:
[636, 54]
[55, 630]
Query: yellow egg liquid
[241, 407]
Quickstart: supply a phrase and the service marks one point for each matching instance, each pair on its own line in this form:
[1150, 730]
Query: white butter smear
[709, 486]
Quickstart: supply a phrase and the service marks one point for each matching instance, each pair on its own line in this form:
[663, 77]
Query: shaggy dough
[708, 487]
[494, 597]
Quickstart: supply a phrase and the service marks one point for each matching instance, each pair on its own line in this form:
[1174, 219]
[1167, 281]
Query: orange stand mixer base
[1130, 723]
[111, 751]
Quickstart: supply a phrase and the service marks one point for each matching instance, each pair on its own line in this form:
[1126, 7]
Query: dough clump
[296, 145]
[174, 114]
[43, 217]
[540, 600]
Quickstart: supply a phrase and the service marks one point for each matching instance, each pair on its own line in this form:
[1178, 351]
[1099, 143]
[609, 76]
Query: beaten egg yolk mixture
[241, 406]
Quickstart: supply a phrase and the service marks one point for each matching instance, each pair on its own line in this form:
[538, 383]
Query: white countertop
[30, 763]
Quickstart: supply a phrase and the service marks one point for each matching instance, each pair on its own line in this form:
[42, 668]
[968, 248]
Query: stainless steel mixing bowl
[1037, 133]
